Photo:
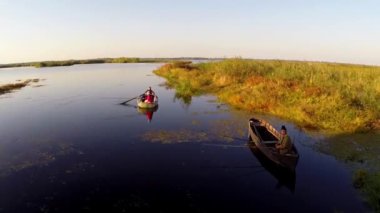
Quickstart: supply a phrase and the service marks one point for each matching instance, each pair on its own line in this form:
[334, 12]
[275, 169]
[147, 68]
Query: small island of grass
[10, 87]
[337, 97]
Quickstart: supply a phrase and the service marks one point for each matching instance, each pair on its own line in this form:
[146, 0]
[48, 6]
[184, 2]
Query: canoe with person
[148, 100]
[276, 146]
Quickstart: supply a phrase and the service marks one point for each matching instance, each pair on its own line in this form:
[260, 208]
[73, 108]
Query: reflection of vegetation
[369, 184]
[185, 99]
[339, 97]
[356, 148]
[16, 157]
[10, 87]
[361, 151]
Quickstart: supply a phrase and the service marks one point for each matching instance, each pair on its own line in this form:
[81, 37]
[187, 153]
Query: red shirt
[149, 98]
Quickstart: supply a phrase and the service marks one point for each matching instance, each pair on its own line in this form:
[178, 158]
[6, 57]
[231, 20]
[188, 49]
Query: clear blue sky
[321, 30]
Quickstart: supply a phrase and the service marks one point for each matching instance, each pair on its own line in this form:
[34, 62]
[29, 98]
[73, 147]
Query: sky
[314, 30]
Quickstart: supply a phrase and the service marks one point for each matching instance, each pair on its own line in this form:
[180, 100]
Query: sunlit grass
[338, 97]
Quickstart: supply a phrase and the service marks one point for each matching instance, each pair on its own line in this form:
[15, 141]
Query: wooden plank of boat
[143, 104]
[265, 136]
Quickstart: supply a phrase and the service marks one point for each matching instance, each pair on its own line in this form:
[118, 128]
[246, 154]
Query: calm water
[68, 146]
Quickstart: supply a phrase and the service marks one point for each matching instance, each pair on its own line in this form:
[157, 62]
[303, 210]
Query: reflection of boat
[148, 112]
[265, 137]
[142, 104]
[285, 177]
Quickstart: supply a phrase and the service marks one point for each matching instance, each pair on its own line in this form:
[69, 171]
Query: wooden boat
[142, 104]
[265, 137]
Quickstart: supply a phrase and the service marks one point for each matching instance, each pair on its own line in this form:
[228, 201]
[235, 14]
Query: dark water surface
[67, 146]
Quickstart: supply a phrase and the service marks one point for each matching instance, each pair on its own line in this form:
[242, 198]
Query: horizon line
[194, 58]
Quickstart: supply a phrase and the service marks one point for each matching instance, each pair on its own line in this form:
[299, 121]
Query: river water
[66, 145]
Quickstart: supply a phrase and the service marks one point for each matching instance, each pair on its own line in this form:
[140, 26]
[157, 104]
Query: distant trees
[40, 64]
[125, 60]
[54, 63]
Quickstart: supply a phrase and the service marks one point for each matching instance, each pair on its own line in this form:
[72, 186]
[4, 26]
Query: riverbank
[40, 64]
[361, 152]
[10, 87]
[340, 98]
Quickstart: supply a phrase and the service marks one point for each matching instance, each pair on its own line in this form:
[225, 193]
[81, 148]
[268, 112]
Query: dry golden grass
[338, 97]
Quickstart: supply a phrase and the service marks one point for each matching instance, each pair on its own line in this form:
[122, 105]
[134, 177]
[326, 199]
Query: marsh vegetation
[10, 87]
[335, 97]
[361, 152]
[342, 99]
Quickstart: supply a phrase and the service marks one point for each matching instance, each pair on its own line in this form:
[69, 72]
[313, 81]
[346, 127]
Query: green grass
[336, 97]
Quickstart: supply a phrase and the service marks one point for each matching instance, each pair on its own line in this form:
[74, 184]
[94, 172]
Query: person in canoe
[149, 95]
[285, 144]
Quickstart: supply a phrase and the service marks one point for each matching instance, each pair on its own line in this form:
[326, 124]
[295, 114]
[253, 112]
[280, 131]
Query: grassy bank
[10, 87]
[361, 152]
[335, 97]
[40, 64]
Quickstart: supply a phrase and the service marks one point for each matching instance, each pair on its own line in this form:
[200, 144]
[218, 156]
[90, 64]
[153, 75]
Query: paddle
[128, 100]
[130, 105]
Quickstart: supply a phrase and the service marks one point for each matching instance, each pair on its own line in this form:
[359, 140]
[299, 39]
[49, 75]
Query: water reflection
[148, 112]
[284, 177]
[74, 149]
[185, 100]
[20, 155]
